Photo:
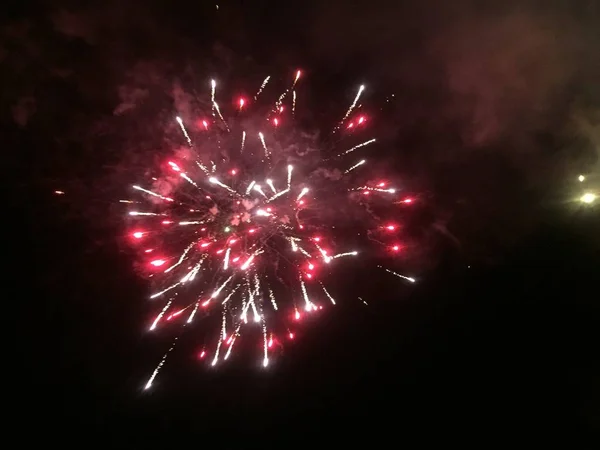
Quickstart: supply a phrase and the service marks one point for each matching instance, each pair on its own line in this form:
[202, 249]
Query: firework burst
[245, 224]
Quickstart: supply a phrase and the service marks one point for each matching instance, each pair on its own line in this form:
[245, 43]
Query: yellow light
[581, 178]
[588, 197]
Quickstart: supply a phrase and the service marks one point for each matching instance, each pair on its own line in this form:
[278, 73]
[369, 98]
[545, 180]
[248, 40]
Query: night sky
[495, 113]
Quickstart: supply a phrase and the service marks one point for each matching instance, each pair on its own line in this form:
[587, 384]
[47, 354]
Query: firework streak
[235, 231]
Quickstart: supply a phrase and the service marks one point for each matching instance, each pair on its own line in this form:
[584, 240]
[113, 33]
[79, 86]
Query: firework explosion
[243, 229]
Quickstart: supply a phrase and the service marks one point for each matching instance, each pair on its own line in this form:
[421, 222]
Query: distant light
[588, 197]
[391, 227]
[227, 229]
[138, 235]
[581, 178]
[59, 192]
[157, 262]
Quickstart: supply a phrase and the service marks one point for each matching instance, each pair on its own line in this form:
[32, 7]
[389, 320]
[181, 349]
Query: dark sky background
[496, 113]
